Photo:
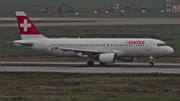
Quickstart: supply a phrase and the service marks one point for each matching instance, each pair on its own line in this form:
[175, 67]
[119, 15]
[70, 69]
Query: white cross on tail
[25, 25]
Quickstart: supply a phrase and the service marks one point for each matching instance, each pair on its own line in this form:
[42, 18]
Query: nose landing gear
[151, 63]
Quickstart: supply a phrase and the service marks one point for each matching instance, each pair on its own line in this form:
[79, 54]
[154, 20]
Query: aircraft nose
[170, 50]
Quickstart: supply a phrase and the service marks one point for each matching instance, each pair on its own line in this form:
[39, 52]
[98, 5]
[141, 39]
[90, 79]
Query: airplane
[104, 50]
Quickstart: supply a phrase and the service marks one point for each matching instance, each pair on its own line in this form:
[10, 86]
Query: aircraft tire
[151, 64]
[90, 63]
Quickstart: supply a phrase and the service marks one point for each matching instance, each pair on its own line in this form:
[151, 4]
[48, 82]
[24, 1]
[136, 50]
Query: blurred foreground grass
[38, 86]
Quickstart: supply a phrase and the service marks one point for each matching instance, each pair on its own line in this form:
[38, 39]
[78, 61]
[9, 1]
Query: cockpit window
[161, 44]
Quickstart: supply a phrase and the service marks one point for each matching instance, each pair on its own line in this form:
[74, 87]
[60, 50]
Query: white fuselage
[132, 47]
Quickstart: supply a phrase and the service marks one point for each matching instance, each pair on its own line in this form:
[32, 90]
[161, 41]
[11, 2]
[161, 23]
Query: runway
[55, 21]
[80, 67]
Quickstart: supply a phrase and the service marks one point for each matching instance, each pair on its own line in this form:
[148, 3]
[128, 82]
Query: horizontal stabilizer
[23, 43]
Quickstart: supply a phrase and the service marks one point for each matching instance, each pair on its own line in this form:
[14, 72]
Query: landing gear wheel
[150, 61]
[102, 64]
[151, 64]
[90, 63]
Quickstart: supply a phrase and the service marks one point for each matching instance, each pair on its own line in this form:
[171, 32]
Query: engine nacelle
[108, 58]
[126, 59]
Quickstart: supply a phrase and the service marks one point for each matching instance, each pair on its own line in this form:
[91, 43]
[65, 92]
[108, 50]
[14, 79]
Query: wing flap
[119, 53]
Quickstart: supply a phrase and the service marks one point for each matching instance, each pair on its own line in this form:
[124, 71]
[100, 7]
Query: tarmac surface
[80, 67]
[60, 21]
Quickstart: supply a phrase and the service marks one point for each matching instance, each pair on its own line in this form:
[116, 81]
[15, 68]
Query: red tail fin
[25, 24]
[26, 27]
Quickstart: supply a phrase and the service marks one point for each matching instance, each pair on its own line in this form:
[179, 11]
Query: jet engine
[108, 58]
[126, 59]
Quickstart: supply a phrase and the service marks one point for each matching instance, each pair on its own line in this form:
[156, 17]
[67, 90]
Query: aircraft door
[148, 45]
[43, 45]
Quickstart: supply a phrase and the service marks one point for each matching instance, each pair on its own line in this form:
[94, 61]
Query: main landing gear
[151, 62]
[90, 63]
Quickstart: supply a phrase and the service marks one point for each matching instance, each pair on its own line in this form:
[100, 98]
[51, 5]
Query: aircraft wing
[76, 50]
[87, 51]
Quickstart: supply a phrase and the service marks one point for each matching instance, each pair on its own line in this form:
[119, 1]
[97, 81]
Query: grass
[168, 33]
[84, 7]
[37, 86]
